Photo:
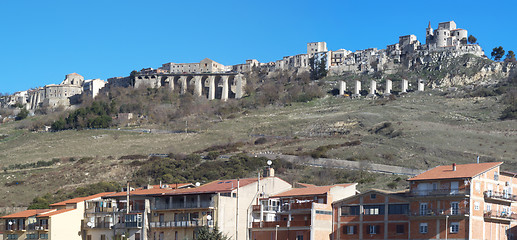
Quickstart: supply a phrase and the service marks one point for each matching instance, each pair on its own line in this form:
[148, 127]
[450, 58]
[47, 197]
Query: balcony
[433, 213]
[439, 193]
[297, 206]
[181, 224]
[256, 208]
[273, 224]
[499, 216]
[500, 196]
[38, 227]
[189, 205]
[98, 225]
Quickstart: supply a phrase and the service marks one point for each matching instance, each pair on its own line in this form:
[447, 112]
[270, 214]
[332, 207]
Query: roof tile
[462, 171]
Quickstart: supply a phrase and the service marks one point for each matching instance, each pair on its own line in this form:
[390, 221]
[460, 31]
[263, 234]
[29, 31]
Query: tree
[497, 53]
[318, 66]
[472, 39]
[22, 114]
[204, 233]
[510, 57]
[132, 77]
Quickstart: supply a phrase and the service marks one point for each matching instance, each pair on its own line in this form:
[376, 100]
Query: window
[323, 212]
[349, 210]
[476, 205]
[373, 209]
[88, 237]
[103, 237]
[12, 236]
[488, 207]
[137, 236]
[496, 176]
[423, 209]
[478, 186]
[299, 237]
[45, 236]
[373, 196]
[423, 227]
[398, 209]
[32, 236]
[455, 208]
[400, 228]
[350, 230]
[374, 229]
[455, 227]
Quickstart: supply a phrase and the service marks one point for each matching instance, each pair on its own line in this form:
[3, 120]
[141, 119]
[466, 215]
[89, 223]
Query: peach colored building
[300, 213]
[61, 222]
[111, 217]
[469, 201]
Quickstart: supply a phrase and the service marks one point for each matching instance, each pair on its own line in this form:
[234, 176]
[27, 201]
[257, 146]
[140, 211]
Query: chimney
[454, 167]
[269, 172]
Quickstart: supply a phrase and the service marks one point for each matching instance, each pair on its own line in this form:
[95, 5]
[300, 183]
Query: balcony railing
[165, 206]
[440, 212]
[193, 223]
[439, 192]
[500, 196]
[274, 224]
[496, 215]
[297, 206]
[266, 208]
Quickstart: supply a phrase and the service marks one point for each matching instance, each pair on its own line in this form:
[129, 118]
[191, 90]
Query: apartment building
[226, 204]
[111, 217]
[62, 221]
[468, 201]
[374, 214]
[299, 213]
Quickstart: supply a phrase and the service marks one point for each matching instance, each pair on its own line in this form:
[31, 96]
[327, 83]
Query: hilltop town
[216, 81]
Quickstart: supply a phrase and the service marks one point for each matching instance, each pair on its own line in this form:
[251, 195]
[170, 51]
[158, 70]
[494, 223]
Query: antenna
[269, 162]
[198, 184]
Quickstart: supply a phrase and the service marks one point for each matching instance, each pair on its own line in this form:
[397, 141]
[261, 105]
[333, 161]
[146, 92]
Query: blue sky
[42, 41]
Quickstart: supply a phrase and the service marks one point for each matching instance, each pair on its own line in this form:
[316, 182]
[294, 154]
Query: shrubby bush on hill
[44, 201]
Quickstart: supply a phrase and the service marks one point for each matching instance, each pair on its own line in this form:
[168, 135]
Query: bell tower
[429, 35]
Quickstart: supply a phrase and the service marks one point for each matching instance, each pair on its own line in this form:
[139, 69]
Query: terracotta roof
[156, 189]
[214, 187]
[80, 199]
[305, 184]
[398, 194]
[28, 213]
[310, 190]
[52, 213]
[462, 171]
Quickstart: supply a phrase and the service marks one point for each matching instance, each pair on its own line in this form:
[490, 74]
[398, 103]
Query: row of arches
[212, 86]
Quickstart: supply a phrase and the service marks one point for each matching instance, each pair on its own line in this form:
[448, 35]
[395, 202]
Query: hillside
[420, 130]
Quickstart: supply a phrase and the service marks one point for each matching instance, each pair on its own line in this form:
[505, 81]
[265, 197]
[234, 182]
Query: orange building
[374, 214]
[469, 201]
[299, 213]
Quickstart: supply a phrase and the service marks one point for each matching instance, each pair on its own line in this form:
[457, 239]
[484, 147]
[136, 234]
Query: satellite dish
[269, 162]
[10, 223]
[89, 224]
[198, 184]
[209, 217]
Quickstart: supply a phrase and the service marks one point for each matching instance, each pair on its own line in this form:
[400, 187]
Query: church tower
[429, 34]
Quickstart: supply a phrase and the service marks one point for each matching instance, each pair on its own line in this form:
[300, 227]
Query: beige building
[61, 222]
[316, 47]
[225, 203]
[64, 94]
[205, 66]
[299, 213]
[446, 35]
